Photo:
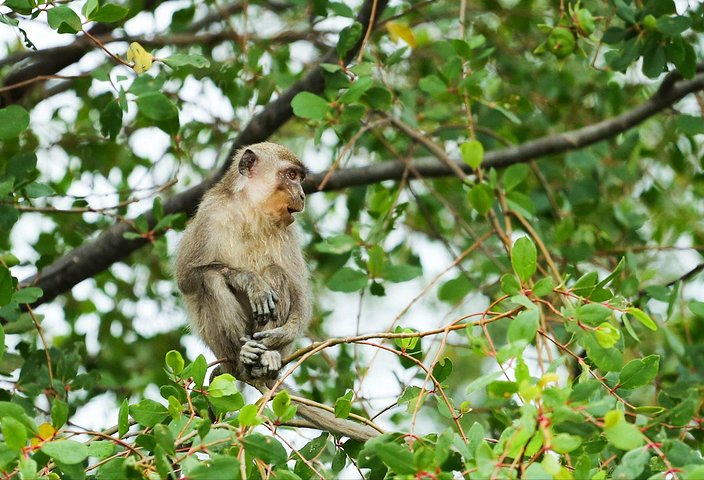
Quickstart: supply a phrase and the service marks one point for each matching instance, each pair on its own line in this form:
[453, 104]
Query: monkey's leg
[219, 318]
[261, 296]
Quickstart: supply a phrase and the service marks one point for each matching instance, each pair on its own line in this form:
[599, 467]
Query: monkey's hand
[275, 338]
[251, 351]
[262, 298]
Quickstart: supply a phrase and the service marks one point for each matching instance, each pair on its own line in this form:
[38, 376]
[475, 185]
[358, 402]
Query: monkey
[240, 267]
[241, 271]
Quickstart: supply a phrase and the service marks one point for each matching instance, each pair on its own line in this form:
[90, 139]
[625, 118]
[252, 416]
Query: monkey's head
[271, 177]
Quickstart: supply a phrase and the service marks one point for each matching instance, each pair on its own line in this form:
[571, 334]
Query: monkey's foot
[268, 366]
[271, 361]
[251, 351]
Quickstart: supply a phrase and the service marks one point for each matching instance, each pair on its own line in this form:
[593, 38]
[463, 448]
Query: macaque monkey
[243, 276]
[240, 266]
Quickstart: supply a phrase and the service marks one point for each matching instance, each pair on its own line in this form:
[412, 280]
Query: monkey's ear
[249, 158]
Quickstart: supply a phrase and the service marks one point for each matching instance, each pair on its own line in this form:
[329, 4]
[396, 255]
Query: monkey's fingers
[253, 345]
[272, 333]
[248, 360]
[271, 360]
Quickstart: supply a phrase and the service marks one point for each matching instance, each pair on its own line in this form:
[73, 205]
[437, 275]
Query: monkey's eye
[294, 175]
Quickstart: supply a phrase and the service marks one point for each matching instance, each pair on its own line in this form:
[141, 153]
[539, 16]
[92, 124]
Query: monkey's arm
[262, 298]
[192, 279]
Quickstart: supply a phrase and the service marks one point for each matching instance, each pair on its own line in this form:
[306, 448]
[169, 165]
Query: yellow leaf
[548, 378]
[45, 431]
[396, 31]
[140, 57]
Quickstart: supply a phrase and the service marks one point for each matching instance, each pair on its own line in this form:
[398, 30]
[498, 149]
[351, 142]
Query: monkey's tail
[327, 421]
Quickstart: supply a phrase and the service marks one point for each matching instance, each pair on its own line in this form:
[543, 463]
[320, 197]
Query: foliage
[566, 320]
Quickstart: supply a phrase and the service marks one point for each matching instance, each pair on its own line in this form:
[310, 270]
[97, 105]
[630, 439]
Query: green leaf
[442, 369]
[27, 295]
[3, 347]
[343, 405]
[66, 451]
[222, 385]
[13, 121]
[689, 124]
[228, 403]
[100, 449]
[156, 106]
[592, 314]
[313, 448]
[14, 432]
[165, 439]
[509, 284]
[59, 413]
[453, 291]
[632, 464]
[607, 359]
[148, 412]
[472, 153]
[621, 434]
[639, 372]
[543, 287]
[280, 403]
[607, 335]
[349, 36]
[396, 457]
[565, 443]
[643, 318]
[111, 120]
[337, 244]
[249, 416]
[481, 197]
[515, 175]
[356, 90]
[64, 20]
[89, 7]
[400, 273]
[432, 84]
[265, 448]
[347, 280]
[524, 326]
[672, 26]
[109, 13]
[123, 419]
[219, 467]
[174, 361]
[198, 370]
[27, 468]
[524, 258]
[7, 287]
[310, 106]
[181, 60]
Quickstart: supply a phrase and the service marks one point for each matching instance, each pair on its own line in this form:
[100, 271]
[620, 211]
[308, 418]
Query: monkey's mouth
[292, 210]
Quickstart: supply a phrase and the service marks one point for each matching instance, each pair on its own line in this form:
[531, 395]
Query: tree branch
[97, 255]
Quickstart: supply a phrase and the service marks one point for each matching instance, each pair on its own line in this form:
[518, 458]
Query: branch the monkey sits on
[242, 273]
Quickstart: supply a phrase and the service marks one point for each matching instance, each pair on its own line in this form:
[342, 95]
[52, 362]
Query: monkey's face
[289, 197]
[274, 181]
